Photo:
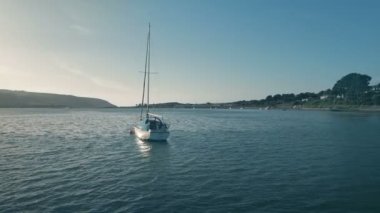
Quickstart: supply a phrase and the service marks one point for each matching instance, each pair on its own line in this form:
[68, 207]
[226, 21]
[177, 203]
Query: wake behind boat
[152, 127]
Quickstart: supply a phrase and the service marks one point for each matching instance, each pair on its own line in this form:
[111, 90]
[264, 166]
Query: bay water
[219, 160]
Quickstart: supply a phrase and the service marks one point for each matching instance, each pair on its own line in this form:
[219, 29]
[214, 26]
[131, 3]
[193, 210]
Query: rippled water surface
[215, 161]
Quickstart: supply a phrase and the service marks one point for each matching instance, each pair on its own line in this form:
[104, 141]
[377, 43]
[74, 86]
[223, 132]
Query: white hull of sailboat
[151, 135]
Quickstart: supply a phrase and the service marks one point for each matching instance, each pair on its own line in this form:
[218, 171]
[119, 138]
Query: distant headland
[351, 92]
[22, 99]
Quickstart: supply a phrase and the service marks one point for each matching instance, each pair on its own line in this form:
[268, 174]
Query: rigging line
[147, 110]
[146, 60]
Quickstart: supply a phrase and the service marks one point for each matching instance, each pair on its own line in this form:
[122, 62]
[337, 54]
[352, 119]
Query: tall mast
[147, 106]
[146, 68]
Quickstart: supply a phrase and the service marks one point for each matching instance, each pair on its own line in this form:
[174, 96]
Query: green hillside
[22, 99]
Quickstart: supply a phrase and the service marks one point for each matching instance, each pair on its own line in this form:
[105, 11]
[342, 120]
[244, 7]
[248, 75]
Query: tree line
[352, 89]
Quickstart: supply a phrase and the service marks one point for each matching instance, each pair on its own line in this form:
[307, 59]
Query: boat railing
[157, 116]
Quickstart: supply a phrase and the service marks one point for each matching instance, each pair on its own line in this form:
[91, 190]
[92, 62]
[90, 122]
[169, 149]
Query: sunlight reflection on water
[144, 147]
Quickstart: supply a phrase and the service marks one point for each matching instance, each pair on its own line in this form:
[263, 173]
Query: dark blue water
[64, 160]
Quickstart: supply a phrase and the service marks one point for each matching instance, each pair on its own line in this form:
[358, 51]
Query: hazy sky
[203, 50]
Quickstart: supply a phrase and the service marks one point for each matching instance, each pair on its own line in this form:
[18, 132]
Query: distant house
[376, 88]
[323, 97]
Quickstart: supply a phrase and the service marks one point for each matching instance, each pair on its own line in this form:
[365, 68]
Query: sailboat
[151, 127]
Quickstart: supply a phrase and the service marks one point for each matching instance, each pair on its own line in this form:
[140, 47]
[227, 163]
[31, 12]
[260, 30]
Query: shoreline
[360, 109]
[284, 108]
[288, 107]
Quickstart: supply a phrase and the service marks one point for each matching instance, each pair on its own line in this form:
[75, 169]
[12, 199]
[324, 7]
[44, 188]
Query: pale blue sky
[203, 50]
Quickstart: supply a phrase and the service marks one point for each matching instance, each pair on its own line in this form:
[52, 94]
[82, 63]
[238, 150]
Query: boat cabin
[153, 122]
